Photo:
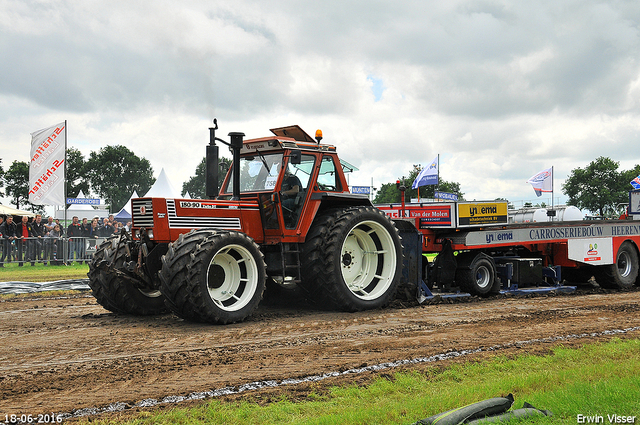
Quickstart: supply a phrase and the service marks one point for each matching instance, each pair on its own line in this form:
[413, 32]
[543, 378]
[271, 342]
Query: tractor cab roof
[293, 132]
[291, 137]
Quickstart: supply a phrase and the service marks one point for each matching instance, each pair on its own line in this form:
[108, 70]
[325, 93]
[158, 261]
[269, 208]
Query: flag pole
[419, 171]
[65, 252]
[438, 182]
[552, 187]
[553, 213]
[64, 181]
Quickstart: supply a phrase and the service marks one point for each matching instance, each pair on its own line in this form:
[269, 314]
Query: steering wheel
[327, 187]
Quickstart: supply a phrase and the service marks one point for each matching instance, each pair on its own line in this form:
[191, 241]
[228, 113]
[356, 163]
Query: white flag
[543, 181]
[46, 171]
[428, 175]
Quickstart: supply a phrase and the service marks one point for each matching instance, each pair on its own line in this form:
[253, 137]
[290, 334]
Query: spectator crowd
[30, 240]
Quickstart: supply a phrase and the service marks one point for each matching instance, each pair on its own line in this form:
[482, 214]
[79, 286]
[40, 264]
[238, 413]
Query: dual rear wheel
[352, 259]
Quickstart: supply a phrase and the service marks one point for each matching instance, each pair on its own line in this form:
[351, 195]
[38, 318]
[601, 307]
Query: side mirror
[295, 157]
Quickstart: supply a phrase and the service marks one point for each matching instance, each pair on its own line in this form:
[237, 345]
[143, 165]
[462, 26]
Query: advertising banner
[46, 170]
[481, 214]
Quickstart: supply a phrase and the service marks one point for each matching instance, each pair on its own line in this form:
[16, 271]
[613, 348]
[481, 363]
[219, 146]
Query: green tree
[388, 192]
[627, 176]
[598, 187]
[196, 185]
[115, 172]
[17, 181]
[76, 173]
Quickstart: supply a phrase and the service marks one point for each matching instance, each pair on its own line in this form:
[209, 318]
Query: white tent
[125, 213]
[162, 188]
[80, 207]
[6, 210]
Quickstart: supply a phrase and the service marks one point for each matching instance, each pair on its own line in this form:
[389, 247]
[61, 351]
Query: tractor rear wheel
[352, 259]
[213, 276]
[117, 290]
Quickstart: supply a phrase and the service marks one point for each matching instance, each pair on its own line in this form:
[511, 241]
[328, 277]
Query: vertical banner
[46, 171]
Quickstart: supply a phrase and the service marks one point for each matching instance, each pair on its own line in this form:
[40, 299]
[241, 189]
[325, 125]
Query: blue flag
[636, 183]
[428, 175]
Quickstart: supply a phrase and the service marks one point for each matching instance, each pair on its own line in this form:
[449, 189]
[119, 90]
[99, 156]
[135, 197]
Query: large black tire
[352, 259]
[114, 288]
[479, 277]
[213, 276]
[622, 274]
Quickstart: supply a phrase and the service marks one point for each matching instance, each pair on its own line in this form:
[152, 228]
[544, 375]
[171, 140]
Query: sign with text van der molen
[361, 190]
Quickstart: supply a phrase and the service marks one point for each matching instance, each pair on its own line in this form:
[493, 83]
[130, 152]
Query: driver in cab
[290, 187]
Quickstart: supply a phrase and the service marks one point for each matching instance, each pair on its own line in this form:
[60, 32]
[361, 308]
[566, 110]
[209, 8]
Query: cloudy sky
[500, 89]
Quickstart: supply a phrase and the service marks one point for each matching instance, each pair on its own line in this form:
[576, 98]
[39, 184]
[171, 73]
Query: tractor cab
[286, 174]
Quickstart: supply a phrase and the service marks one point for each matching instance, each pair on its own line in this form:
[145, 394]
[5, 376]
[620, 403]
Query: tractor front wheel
[213, 276]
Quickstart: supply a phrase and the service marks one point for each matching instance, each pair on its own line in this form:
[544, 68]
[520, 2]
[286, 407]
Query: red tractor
[284, 214]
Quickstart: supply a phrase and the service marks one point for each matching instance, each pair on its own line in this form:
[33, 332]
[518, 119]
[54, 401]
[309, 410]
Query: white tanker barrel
[569, 213]
[539, 215]
[528, 215]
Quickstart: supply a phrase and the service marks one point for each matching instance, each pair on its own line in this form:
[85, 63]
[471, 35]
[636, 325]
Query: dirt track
[58, 355]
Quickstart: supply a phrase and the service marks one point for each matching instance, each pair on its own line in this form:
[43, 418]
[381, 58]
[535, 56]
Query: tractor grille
[142, 212]
[199, 222]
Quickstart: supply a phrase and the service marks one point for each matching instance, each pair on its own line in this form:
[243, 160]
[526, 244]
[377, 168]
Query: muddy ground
[61, 355]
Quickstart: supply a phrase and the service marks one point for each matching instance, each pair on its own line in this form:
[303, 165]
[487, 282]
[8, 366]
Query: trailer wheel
[117, 290]
[479, 278]
[352, 259]
[622, 274]
[213, 276]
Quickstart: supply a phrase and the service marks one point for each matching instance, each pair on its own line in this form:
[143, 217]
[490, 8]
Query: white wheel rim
[483, 277]
[232, 277]
[368, 260]
[624, 264]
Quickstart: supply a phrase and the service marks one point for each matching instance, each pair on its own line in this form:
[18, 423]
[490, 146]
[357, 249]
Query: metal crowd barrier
[47, 250]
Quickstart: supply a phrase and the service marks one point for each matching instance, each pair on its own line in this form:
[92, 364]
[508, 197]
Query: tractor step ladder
[291, 261]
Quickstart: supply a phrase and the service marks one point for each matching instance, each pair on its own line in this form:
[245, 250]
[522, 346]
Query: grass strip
[595, 380]
[11, 272]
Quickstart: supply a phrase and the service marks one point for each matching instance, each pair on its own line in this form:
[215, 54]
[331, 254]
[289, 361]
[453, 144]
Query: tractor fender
[338, 199]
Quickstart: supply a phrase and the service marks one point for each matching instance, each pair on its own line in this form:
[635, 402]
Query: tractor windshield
[257, 173]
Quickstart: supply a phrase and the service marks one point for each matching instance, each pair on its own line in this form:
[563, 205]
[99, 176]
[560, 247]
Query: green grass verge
[597, 379]
[11, 272]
